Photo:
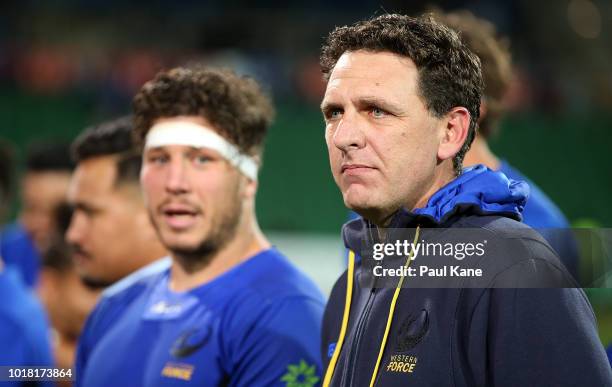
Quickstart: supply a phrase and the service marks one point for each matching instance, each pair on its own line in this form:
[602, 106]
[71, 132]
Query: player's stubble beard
[222, 230]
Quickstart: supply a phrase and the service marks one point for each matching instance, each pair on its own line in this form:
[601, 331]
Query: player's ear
[457, 123]
[250, 188]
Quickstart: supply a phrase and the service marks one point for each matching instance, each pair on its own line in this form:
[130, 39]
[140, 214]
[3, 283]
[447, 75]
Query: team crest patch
[190, 341]
[412, 330]
[300, 375]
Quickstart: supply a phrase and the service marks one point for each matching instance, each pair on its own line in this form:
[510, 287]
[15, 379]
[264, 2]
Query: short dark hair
[111, 138]
[57, 255]
[481, 37]
[49, 157]
[449, 73]
[234, 104]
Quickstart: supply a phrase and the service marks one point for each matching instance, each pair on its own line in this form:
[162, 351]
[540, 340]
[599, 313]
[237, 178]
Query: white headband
[198, 136]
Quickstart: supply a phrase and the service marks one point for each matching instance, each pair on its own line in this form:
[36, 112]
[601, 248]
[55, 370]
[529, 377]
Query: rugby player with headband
[231, 309]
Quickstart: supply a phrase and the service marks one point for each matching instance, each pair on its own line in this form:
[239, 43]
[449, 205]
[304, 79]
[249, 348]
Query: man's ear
[455, 133]
[250, 188]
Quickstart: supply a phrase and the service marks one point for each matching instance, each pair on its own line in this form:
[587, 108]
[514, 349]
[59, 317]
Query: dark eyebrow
[327, 106]
[84, 207]
[380, 103]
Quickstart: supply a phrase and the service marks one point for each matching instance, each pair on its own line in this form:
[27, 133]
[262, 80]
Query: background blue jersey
[24, 332]
[543, 215]
[17, 250]
[256, 325]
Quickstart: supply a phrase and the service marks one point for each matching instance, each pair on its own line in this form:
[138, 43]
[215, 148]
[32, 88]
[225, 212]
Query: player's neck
[249, 241]
[481, 154]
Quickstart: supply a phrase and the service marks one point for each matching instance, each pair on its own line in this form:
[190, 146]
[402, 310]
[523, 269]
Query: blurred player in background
[540, 212]
[231, 310]
[66, 298]
[110, 233]
[23, 327]
[43, 188]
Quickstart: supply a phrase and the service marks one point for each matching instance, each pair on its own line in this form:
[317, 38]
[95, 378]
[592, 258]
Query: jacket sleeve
[545, 337]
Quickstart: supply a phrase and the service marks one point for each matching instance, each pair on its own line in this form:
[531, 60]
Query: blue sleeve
[280, 347]
[26, 349]
[544, 337]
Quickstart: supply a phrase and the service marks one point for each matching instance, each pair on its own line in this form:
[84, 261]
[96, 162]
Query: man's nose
[177, 179]
[349, 134]
[75, 231]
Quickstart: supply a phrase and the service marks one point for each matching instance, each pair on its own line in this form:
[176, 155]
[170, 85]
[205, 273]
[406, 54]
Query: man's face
[108, 222]
[194, 196]
[42, 193]
[382, 140]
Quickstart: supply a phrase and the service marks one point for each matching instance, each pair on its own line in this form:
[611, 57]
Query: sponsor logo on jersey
[178, 371]
[300, 375]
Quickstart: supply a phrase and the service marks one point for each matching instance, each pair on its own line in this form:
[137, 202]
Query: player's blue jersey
[24, 330]
[17, 250]
[540, 211]
[256, 325]
[543, 215]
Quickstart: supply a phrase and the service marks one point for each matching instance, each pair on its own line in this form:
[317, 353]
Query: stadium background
[65, 65]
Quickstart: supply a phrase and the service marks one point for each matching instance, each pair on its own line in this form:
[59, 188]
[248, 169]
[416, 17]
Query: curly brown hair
[234, 105]
[449, 73]
[494, 53]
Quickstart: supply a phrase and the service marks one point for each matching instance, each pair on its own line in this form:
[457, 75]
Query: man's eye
[333, 114]
[201, 159]
[378, 112]
[157, 159]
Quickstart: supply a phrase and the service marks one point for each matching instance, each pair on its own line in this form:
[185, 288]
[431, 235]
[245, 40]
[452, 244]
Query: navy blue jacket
[490, 334]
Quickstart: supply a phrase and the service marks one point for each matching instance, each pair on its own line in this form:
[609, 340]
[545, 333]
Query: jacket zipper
[350, 369]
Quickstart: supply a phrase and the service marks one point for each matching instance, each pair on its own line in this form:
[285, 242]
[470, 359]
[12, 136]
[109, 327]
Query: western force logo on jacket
[410, 333]
[412, 330]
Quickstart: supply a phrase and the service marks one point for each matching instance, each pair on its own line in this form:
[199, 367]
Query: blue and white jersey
[258, 324]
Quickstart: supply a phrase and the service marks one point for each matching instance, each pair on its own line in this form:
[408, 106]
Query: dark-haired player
[110, 233]
[43, 187]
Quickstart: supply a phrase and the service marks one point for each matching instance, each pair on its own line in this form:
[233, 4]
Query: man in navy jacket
[401, 107]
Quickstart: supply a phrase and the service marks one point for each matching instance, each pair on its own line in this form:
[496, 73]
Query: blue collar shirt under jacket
[256, 325]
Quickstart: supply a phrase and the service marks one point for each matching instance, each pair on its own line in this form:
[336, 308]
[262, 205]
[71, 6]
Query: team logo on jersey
[190, 341]
[412, 330]
[300, 375]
